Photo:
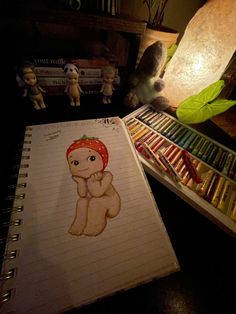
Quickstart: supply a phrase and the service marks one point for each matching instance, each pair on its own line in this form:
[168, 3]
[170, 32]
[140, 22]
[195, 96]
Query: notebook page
[57, 270]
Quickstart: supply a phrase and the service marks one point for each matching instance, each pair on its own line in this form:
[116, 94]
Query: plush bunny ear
[153, 59]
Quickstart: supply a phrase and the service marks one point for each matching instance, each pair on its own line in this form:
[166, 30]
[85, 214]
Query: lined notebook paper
[56, 270]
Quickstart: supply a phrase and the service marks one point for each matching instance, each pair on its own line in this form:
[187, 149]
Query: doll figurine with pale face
[98, 198]
[73, 89]
[32, 89]
[108, 75]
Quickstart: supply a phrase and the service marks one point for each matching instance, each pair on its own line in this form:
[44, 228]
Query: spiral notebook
[84, 222]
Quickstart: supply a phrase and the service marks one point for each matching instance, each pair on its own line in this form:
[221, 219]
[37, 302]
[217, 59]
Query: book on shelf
[58, 72]
[51, 76]
[59, 90]
[54, 81]
[109, 7]
[89, 85]
[79, 62]
[84, 220]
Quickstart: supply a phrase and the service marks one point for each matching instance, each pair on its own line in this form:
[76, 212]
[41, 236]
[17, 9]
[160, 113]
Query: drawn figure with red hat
[98, 199]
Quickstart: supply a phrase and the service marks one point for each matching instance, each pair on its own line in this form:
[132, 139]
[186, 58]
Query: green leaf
[203, 106]
[171, 50]
[217, 106]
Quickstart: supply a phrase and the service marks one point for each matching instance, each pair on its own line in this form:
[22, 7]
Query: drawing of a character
[98, 199]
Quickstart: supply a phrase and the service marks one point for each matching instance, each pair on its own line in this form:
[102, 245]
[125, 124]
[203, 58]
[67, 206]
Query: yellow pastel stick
[223, 197]
[233, 206]
[139, 134]
[202, 188]
[218, 190]
[135, 128]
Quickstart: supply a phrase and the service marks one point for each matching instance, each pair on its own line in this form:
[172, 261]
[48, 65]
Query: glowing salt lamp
[204, 51]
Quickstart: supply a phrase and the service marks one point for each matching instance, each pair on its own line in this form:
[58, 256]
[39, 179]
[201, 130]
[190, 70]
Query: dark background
[207, 255]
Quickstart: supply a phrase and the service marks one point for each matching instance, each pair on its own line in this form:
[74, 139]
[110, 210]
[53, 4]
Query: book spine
[79, 62]
[49, 62]
[58, 72]
[89, 63]
[60, 90]
[49, 71]
[59, 81]
[12, 236]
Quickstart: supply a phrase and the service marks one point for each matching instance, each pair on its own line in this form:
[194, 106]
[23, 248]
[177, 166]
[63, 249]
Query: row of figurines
[146, 85]
[34, 91]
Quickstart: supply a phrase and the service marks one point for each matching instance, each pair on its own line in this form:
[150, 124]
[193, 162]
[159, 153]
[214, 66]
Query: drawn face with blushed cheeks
[84, 162]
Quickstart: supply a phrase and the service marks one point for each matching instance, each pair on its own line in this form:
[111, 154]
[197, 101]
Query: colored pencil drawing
[98, 199]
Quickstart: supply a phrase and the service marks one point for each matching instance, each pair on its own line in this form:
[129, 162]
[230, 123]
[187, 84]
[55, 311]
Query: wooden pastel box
[195, 167]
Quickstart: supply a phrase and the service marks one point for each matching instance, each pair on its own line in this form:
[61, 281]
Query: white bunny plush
[146, 85]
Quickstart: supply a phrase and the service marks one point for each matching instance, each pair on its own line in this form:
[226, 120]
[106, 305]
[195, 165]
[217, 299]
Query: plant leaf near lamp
[204, 105]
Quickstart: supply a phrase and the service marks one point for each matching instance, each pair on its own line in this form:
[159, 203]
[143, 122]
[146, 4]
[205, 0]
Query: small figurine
[72, 89]
[32, 89]
[108, 75]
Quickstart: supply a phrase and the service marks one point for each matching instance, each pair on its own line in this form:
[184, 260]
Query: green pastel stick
[175, 127]
[207, 151]
[232, 170]
[228, 162]
[217, 158]
[198, 146]
[202, 149]
[222, 160]
[176, 133]
[212, 155]
[165, 125]
[188, 139]
[194, 143]
[168, 128]
[180, 135]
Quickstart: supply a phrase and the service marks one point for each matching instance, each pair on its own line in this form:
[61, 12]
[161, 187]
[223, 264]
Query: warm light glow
[204, 51]
[198, 64]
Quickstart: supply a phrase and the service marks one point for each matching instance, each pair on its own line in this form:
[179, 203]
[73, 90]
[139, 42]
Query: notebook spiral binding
[15, 210]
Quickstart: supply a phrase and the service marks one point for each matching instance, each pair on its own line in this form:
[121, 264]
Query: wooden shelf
[63, 17]
[48, 32]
